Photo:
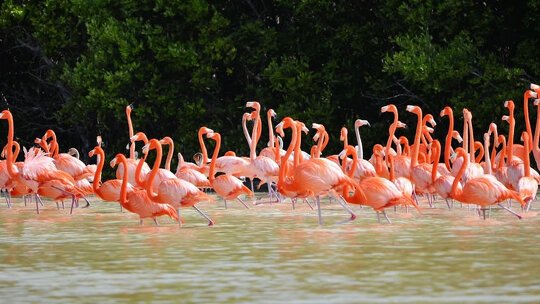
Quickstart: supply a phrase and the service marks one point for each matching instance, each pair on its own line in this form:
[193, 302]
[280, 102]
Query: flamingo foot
[319, 211]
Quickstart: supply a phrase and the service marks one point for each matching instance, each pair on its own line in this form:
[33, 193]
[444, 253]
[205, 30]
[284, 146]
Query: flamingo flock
[398, 173]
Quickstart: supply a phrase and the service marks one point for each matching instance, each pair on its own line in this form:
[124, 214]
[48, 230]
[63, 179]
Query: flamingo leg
[484, 213]
[447, 203]
[241, 201]
[57, 206]
[386, 217]
[307, 202]
[378, 217]
[210, 221]
[39, 199]
[37, 204]
[319, 210]
[179, 219]
[72, 204]
[509, 210]
[156, 222]
[225, 201]
[140, 222]
[293, 203]
[343, 204]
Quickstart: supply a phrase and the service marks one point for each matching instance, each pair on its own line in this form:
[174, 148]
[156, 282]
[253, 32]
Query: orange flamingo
[173, 191]
[527, 186]
[132, 163]
[110, 189]
[226, 186]
[376, 192]
[137, 201]
[314, 176]
[188, 173]
[483, 191]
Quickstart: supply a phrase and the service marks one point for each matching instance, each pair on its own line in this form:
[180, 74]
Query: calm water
[267, 254]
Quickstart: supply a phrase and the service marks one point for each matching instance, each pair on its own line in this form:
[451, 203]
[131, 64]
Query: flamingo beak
[409, 108]
[384, 109]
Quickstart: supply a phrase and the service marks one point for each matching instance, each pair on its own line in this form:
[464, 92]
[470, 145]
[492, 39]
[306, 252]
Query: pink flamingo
[188, 173]
[527, 186]
[376, 192]
[314, 176]
[173, 191]
[137, 201]
[483, 191]
[226, 186]
[109, 190]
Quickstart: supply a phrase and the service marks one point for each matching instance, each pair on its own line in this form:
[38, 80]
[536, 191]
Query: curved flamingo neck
[526, 161]
[526, 97]
[487, 157]
[494, 149]
[97, 175]
[392, 174]
[130, 130]
[360, 150]
[270, 128]
[168, 160]
[256, 135]
[150, 180]
[298, 143]
[510, 144]
[460, 153]
[478, 146]
[203, 147]
[448, 140]
[212, 174]
[391, 132]
[503, 152]
[9, 156]
[123, 189]
[350, 150]
[289, 123]
[471, 139]
[535, 147]
[436, 153]
[416, 145]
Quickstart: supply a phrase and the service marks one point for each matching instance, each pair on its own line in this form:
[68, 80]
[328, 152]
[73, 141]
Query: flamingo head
[401, 125]
[429, 118]
[536, 102]
[456, 136]
[429, 129]
[412, 109]
[152, 144]
[139, 136]
[509, 104]
[524, 136]
[92, 152]
[492, 128]
[446, 111]
[378, 149]
[467, 114]
[99, 140]
[318, 127]
[213, 135]
[343, 134]
[205, 130]
[5, 114]
[361, 122]
[253, 104]
[272, 113]
[117, 159]
[535, 87]
[389, 108]
[198, 157]
[73, 152]
[505, 117]
[166, 141]
[37, 140]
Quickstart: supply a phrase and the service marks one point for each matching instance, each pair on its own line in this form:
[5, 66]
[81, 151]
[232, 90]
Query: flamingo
[527, 186]
[226, 186]
[173, 191]
[374, 191]
[132, 163]
[483, 191]
[137, 201]
[188, 173]
[420, 172]
[364, 167]
[109, 190]
[312, 177]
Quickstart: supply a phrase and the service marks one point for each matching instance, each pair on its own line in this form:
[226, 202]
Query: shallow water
[269, 253]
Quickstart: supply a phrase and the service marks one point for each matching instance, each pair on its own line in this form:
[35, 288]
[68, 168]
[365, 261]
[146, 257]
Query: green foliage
[185, 64]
